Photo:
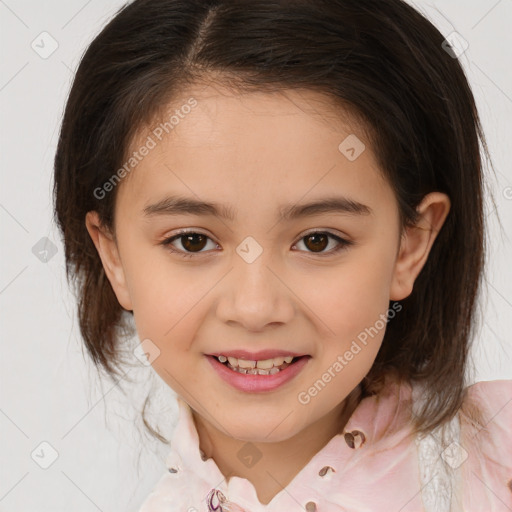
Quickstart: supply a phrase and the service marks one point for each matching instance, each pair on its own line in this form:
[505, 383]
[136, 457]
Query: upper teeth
[264, 364]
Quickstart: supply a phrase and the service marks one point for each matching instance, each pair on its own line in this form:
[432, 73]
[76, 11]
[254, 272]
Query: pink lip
[256, 356]
[257, 383]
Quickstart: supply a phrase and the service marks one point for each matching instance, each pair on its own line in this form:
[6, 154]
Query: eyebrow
[177, 205]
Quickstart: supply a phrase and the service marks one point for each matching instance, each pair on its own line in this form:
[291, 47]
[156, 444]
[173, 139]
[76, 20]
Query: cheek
[166, 298]
[352, 296]
[343, 300]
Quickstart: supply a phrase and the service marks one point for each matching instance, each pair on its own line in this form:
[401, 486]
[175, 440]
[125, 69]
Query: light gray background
[49, 391]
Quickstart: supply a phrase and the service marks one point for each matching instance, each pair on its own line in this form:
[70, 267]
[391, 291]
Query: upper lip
[255, 356]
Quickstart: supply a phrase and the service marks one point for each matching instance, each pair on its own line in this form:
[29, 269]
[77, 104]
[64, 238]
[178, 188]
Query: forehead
[241, 148]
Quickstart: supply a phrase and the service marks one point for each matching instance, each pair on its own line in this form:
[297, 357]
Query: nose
[255, 296]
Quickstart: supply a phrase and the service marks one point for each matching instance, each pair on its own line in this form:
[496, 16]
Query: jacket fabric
[374, 465]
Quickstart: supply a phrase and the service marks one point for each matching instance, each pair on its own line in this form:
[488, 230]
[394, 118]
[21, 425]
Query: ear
[106, 246]
[416, 242]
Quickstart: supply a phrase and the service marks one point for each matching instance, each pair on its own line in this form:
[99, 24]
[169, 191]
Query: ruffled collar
[379, 422]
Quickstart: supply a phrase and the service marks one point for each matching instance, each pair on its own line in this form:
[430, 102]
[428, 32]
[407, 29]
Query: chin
[263, 431]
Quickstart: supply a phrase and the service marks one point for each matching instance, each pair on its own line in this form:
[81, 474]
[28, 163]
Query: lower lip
[257, 383]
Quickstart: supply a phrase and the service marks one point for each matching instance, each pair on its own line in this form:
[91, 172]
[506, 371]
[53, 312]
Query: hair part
[383, 61]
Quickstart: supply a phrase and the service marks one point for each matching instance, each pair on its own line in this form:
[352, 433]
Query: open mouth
[256, 376]
[265, 367]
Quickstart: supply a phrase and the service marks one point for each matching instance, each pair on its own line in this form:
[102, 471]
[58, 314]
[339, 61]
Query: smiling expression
[290, 247]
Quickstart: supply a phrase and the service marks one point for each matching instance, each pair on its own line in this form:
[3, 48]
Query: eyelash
[343, 244]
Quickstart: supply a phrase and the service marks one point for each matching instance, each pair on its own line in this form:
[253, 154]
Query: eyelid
[186, 231]
[343, 241]
[327, 231]
[167, 241]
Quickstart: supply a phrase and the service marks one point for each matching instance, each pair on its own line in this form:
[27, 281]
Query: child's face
[254, 154]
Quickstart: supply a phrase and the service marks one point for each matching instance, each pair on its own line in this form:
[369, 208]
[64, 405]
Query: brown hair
[381, 58]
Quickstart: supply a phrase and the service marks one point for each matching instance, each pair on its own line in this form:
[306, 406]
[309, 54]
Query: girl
[286, 197]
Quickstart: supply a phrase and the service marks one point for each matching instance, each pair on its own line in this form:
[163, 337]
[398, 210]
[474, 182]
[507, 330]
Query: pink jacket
[373, 467]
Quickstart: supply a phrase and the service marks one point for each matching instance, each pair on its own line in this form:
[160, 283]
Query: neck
[280, 461]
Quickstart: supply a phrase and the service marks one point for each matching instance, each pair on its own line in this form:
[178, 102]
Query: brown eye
[193, 242]
[318, 241]
[190, 241]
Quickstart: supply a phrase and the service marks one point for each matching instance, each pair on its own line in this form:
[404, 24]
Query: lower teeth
[258, 371]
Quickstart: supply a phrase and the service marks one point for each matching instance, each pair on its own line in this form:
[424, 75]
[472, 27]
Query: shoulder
[487, 412]
[492, 389]
[173, 493]
[485, 437]
[159, 497]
